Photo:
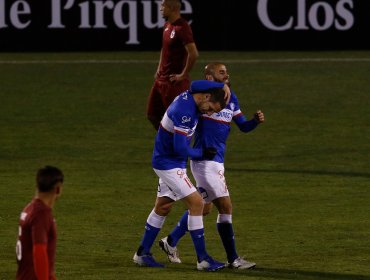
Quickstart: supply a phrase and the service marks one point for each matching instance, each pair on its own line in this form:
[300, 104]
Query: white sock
[224, 218]
[155, 220]
[195, 222]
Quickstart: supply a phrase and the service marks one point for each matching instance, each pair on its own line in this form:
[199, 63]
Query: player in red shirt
[178, 55]
[37, 231]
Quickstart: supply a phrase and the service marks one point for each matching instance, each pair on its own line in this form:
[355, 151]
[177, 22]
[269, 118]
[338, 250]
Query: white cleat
[241, 263]
[171, 252]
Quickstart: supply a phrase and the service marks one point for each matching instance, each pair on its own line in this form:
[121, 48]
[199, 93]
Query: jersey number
[18, 247]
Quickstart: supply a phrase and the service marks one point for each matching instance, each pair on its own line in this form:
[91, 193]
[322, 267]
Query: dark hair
[174, 4]
[217, 95]
[47, 177]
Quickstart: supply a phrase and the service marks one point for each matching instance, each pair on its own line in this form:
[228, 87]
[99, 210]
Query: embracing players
[212, 131]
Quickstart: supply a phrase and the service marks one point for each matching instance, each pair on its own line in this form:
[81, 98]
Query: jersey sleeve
[240, 119]
[204, 86]
[182, 148]
[237, 112]
[185, 34]
[181, 119]
[40, 261]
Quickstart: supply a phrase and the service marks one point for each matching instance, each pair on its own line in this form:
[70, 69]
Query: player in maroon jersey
[37, 231]
[178, 55]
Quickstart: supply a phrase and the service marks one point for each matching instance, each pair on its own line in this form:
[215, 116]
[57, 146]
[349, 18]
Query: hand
[209, 153]
[177, 77]
[259, 116]
[227, 93]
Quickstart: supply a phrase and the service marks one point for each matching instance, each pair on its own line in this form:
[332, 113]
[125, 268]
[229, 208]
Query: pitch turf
[299, 183]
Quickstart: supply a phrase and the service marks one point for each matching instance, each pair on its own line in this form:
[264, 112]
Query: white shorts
[210, 179]
[174, 183]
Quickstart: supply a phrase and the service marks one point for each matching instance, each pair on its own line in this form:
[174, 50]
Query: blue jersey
[181, 118]
[212, 131]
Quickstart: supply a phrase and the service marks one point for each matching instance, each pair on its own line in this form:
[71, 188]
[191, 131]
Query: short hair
[210, 68]
[47, 177]
[174, 4]
[217, 96]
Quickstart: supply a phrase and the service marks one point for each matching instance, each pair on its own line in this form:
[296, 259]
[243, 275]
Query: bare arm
[160, 61]
[193, 54]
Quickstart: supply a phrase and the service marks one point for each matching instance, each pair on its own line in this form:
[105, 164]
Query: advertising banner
[102, 25]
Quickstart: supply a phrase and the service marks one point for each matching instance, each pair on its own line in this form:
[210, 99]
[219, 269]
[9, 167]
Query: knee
[225, 208]
[196, 207]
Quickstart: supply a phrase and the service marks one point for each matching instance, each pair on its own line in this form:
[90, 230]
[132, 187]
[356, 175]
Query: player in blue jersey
[170, 155]
[212, 131]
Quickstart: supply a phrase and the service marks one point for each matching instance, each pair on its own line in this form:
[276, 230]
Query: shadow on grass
[294, 274]
[278, 273]
[310, 172]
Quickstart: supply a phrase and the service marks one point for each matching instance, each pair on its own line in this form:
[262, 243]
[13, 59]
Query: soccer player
[171, 151]
[178, 55]
[36, 242]
[213, 131]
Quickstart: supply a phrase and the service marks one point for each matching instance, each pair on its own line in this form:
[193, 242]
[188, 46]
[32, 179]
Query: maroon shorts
[162, 94]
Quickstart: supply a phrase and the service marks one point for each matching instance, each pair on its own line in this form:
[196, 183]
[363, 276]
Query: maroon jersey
[36, 226]
[175, 37]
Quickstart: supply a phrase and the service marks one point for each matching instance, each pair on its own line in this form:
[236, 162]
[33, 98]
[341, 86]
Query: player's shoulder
[34, 211]
[183, 105]
[181, 21]
[233, 95]
[233, 103]
[182, 25]
[183, 101]
[40, 208]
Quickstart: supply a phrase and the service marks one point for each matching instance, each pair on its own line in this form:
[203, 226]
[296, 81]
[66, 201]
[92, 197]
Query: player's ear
[207, 97]
[58, 189]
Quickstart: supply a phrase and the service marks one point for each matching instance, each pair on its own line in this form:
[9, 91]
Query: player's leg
[211, 183]
[226, 232]
[168, 244]
[153, 225]
[155, 108]
[182, 189]
[224, 226]
[165, 199]
[178, 232]
[179, 186]
[194, 203]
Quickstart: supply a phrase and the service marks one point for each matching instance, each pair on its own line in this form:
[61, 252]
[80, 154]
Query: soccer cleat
[171, 252]
[240, 263]
[146, 260]
[209, 264]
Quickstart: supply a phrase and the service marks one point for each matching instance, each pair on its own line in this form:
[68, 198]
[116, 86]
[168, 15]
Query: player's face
[221, 75]
[208, 107]
[165, 9]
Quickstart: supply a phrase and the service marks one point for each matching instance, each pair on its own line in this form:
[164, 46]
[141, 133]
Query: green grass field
[299, 183]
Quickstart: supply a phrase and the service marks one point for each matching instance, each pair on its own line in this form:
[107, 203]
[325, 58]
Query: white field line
[147, 61]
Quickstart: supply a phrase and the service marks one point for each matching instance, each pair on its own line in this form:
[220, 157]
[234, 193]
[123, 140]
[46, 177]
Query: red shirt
[36, 226]
[174, 54]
